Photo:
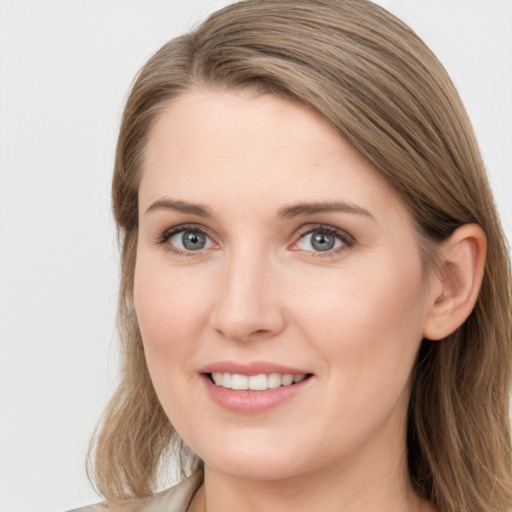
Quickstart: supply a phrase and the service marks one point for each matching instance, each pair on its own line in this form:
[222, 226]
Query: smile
[260, 382]
[256, 393]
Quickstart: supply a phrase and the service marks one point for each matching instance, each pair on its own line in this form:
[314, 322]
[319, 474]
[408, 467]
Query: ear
[460, 270]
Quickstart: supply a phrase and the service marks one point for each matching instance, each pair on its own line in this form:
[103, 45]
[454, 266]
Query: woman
[315, 295]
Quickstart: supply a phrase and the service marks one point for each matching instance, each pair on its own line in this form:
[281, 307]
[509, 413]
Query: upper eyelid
[192, 226]
[310, 228]
[302, 230]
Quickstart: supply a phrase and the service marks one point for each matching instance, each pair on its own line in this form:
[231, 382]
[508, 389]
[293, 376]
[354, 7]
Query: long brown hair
[386, 93]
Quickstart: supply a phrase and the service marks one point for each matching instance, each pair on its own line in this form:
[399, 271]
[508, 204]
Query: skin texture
[352, 317]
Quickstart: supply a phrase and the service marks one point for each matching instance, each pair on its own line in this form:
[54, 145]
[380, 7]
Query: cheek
[366, 323]
[169, 304]
[172, 311]
[365, 327]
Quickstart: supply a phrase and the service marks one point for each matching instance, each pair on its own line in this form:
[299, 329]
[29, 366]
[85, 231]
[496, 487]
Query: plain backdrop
[65, 70]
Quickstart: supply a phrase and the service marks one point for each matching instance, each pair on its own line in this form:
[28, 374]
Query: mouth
[255, 387]
[260, 382]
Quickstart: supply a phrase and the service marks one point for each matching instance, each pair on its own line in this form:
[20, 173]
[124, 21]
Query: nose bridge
[247, 306]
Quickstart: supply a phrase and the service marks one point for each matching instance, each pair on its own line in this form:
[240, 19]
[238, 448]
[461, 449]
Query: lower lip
[252, 402]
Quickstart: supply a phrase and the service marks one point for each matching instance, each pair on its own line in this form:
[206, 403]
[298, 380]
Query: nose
[248, 305]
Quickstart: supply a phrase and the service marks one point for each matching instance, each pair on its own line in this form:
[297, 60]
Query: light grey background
[65, 69]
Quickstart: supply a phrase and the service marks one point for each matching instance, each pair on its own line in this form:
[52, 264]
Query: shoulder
[174, 499]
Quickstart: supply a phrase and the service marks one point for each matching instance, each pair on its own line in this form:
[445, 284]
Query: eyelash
[346, 239]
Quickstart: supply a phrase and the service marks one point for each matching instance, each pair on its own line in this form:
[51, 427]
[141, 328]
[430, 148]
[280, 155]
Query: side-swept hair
[378, 84]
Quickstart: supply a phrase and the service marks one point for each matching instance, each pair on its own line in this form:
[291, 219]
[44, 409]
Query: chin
[247, 457]
[255, 466]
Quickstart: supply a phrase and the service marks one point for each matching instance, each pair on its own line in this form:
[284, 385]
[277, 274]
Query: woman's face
[270, 251]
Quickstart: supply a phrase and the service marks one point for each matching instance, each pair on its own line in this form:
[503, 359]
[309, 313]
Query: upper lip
[252, 368]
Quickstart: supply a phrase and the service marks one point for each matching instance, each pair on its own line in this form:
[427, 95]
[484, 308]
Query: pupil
[322, 242]
[193, 241]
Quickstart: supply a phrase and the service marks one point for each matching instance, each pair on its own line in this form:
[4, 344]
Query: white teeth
[287, 379]
[259, 382]
[227, 380]
[239, 381]
[274, 380]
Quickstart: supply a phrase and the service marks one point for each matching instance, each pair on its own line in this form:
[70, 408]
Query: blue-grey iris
[193, 240]
[322, 241]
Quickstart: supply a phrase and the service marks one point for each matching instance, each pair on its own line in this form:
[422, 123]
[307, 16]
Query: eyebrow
[286, 212]
[299, 209]
[180, 206]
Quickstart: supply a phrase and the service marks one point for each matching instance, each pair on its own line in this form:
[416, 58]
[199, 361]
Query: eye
[323, 239]
[186, 239]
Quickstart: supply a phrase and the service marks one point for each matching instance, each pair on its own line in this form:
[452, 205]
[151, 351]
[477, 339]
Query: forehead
[220, 147]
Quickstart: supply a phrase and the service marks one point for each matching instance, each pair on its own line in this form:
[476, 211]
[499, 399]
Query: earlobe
[458, 279]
